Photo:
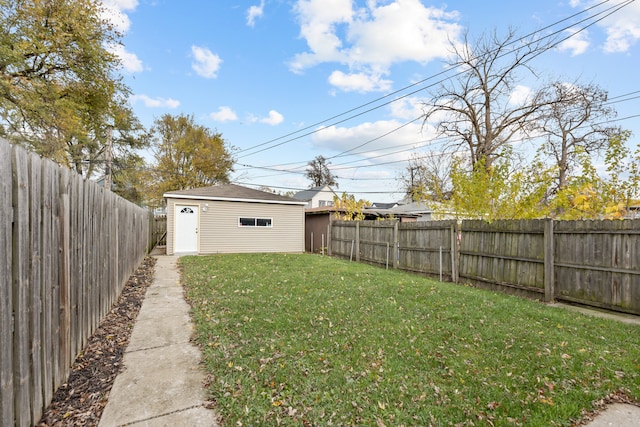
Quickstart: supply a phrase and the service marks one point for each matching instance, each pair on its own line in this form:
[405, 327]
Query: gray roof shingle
[231, 192]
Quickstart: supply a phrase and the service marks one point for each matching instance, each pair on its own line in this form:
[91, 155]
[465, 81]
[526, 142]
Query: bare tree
[319, 174]
[428, 177]
[478, 108]
[573, 121]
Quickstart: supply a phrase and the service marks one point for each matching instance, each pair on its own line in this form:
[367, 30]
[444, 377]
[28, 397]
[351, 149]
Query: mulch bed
[81, 400]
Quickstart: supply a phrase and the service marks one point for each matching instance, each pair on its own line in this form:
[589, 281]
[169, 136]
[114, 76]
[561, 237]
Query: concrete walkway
[162, 381]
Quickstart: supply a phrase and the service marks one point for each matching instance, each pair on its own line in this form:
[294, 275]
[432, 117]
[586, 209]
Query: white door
[186, 229]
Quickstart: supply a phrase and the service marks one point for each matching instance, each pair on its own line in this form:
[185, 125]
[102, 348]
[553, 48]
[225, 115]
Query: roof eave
[230, 199]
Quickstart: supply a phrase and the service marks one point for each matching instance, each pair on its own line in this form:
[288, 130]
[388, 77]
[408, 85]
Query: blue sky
[268, 74]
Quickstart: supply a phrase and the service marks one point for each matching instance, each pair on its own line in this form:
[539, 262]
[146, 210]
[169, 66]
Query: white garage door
[186, 229]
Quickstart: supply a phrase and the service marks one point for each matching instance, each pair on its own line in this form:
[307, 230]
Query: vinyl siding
[218, 230]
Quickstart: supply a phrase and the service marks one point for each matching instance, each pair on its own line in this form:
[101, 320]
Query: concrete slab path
[162, 381]
[617, 415]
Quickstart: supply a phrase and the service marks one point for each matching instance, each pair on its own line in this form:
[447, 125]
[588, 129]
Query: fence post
[329, 237]
[387, 264]
[396, 245]
[357, 241]
[549, 274]
[454, 253]
[152, 231]
[64, 278]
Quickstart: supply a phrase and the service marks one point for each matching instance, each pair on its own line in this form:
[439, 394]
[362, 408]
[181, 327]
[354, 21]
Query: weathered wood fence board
[598, 263]
[421, 247]
[589, 262]
[503, 253]
[343, 238]
[428, 247]
[6, 298]
[158, 227]
[20, 274]
[67, 248]
[376, 242]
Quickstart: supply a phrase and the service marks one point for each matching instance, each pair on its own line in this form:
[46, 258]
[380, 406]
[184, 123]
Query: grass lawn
[308, 340]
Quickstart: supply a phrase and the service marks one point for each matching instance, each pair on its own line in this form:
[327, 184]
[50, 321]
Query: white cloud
[407, 108]
[622, 28]
[362, 40]
[273, 119]
[155, 102]
[224, 114]
[130, 61]
[577, 43]
[624, 31]
[520, 95]
[365, 138]
[255, 12]
[318, 24]
[359, 82]
[206, 64]
[113, 11]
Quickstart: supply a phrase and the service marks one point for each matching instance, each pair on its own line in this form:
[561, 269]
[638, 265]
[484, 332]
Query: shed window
[255, 222]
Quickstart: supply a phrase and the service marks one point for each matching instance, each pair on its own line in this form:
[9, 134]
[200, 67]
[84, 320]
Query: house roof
[378, 205]
[232, 193]
[307, 195]
[368, 212]
[414, 208]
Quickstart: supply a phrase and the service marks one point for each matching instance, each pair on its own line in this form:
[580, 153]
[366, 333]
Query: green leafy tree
[187, 155]
[501, 191]
[607, 195]
[319, 173]
[348, 208]
[60, 91]
[129, 173]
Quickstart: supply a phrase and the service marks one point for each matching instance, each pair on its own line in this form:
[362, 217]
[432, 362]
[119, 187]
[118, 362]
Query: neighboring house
[421, 211]
[160, 211]
[317, 197]
[233, 219]
[633, 212]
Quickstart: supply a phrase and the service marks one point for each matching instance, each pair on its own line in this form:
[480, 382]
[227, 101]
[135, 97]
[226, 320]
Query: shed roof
[232, 193]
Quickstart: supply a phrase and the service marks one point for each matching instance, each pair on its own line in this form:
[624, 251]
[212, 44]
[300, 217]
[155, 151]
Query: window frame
[268, 222]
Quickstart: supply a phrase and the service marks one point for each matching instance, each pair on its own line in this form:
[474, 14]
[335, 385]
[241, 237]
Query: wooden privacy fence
[423, 247]
[506, 254]
[158, 231]
[67, 247]
[596, 263]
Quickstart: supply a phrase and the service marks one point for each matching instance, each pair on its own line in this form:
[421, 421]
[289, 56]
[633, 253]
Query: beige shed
[231, 218]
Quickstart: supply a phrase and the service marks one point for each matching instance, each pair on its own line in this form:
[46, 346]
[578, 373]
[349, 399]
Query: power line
[442, 140]
[306, 130]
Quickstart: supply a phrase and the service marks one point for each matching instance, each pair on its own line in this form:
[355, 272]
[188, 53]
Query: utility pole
[107, 159]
